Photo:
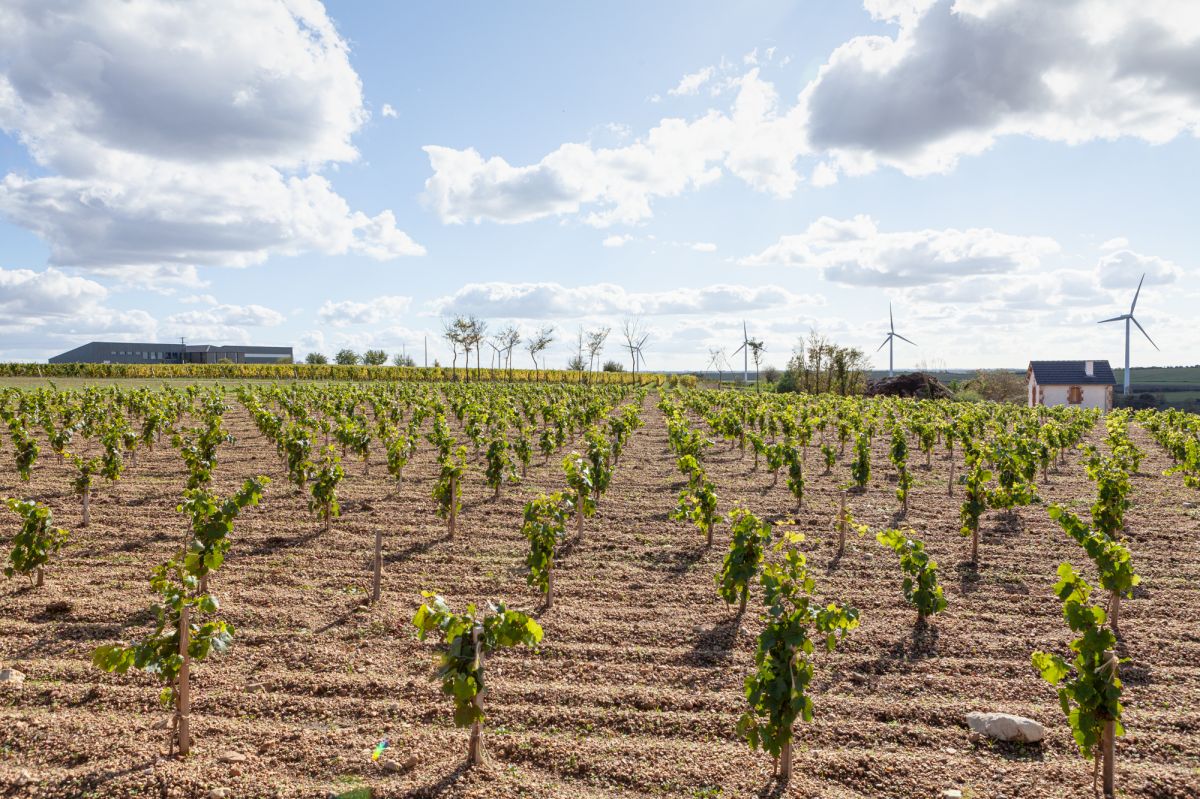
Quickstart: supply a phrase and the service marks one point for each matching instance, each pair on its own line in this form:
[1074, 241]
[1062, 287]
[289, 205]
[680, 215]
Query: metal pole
[1127, 357]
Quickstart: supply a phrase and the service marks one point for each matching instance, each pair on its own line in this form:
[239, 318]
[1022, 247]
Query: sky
[354, 173]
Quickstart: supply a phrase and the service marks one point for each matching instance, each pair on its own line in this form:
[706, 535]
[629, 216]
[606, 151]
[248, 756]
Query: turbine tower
[889, 340]
[1127, 318]
[745, 351]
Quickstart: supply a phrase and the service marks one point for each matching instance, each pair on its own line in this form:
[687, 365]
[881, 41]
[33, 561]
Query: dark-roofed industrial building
[132, 352]
[1084, 384]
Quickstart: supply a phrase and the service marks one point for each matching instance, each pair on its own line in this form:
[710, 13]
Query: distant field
[1162, 375]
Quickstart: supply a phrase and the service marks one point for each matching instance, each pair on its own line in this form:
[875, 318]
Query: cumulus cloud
[856, 252]
[751, 141]
[617, 240]
[182, 134]
[388, 111]
[228, 315]
[955, 77]
[374, 311]
[704, 246]
[959, 75]
[553, 300]
[691, 83]
[1123, 268]
[50, 306]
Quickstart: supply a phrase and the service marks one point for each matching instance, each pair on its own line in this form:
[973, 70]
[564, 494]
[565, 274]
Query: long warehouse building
[132, 352]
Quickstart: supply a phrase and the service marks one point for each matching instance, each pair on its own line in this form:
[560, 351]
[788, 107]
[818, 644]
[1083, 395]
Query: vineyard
[631, 588]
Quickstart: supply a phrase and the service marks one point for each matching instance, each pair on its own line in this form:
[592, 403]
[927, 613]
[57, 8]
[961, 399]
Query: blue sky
[352, 174]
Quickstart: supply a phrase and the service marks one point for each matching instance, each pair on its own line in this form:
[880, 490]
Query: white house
[1084, 384]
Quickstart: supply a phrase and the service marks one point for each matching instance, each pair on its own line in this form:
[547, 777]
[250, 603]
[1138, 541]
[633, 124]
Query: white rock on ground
[12, 676]
[1006, 727]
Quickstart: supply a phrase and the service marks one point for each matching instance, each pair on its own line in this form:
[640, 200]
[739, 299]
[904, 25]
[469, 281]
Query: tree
[507, 339]
[346, 357]
[631, 330]
[315, 359]
[401, 359]
[452, 331]
[613, 366]
[819, 366]
[538, 342]
[595, 345]
[575, 364]
[374, 357]
[757, 348]
[469, 638]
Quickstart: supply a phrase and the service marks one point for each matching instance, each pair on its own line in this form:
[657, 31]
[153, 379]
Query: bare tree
[507, 339]
[475, 334]
[452, 332]
[595, 345]
[631, 330]
[537, 343]
[716, 360]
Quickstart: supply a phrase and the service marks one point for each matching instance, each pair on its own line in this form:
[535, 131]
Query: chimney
[1089, 368]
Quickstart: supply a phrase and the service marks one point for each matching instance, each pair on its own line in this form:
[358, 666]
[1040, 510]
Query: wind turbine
[745, 351]
[639, 358]
[889, 340]
[1127, 318]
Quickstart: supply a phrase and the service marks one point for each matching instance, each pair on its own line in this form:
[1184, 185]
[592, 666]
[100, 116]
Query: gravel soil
[637, 686]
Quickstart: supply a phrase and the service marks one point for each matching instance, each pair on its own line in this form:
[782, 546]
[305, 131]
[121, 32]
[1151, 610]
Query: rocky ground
[637, 686]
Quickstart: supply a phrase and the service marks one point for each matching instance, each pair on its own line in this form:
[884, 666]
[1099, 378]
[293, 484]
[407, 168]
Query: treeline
[247, 371]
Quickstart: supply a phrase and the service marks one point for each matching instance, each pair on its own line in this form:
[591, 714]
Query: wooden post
[550, 586]
[1114, 613]
[41, 577]
[453, 517]
[182, 692]
[842, 524]
[579, 519]
[378, 565]
[708, 539]
[950, 482]
[975, 544]
[785, 762]
[87, 495]
[1108, 752]
[475, 747]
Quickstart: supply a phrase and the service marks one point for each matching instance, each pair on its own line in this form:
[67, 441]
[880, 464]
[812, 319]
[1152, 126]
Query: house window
[1075, 395]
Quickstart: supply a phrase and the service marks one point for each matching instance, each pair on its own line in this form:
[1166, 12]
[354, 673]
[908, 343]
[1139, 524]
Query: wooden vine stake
[475, 747]
[550, 586]
[183, 697]
[842, 524]
[1109, 754]
[378, 565]
[950, 482]
[87, 515]
[452, 517]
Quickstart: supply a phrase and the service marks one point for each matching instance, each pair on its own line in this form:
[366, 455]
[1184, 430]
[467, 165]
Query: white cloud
[50, 307]
[553, 300]
[617, 240]
[955, 77]
[228, 315]
[182, 134]
[374, 311]
[1123, 268]
[617, 185]
[1118, 243]
[199, 299]
[704, 246]
[388, 111]
[855, 252]
[959, 75]
[691, 83]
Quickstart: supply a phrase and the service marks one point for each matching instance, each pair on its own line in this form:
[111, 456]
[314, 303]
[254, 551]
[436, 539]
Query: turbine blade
[1136, 293]
[891, 319]
[1114, 319]
[902, 338]
[1144, 333]
[885, 341]
[739, 349]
